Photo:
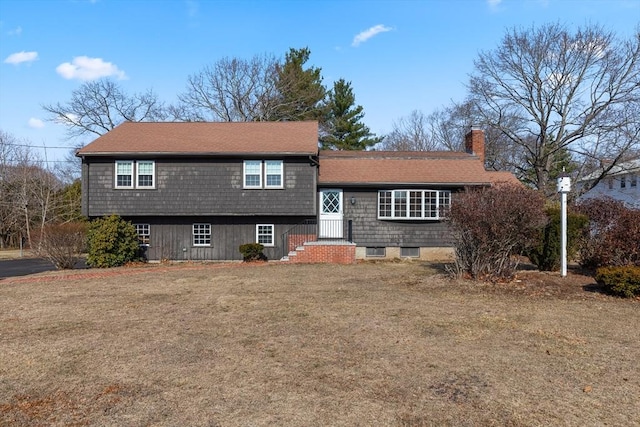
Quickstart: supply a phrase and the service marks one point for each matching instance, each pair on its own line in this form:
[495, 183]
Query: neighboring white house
[621, 183]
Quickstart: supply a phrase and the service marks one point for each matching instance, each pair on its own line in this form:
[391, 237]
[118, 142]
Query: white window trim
[263, 175]
[153, 175]
[132, 175]
[244, 174]
[422, 216]
[266, 182]
[148, 234]
[193, 234]
[273, 234]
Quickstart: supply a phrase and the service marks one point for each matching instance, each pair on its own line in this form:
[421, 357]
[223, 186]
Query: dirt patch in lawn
[369, 344]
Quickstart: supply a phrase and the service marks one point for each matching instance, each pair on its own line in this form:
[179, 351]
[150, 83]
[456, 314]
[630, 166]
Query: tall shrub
[491, 225]
[613, 235]
[545, 254]
[62, 244]
[112, 242]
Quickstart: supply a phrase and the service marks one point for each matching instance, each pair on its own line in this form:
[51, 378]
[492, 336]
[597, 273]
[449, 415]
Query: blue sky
[399, 55]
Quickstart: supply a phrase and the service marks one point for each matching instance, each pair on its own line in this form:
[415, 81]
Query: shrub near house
[112, 242]
[546, 253]
[492, 225]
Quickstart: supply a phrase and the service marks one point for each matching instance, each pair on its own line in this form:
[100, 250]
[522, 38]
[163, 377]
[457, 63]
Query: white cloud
[36, 123]
[367, 34]
[85, 68]
[494, 3]
[20, 57]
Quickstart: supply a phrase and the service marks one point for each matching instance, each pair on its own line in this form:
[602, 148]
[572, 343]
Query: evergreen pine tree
[301, 93]
[343, 128]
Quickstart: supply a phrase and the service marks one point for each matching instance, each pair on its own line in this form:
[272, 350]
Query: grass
[392, 344]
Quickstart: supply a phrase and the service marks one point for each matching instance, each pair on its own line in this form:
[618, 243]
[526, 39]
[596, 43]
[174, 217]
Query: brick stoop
[328, 251]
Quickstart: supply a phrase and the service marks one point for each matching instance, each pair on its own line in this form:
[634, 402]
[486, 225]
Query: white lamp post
[564, 186]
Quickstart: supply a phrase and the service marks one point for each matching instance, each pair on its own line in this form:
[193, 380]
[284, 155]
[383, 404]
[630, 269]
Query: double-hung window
[201, 234]
[145, 172]
[413, 204]
[253, 174]
[263, 173]
[124, 174]
[273, 173]
[264, 234]
[135, 174]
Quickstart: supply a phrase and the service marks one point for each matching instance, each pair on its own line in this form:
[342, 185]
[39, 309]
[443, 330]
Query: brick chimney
[474, 142]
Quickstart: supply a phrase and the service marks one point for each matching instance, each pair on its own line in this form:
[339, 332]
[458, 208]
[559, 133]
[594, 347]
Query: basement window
[376, 252]
[410, 252]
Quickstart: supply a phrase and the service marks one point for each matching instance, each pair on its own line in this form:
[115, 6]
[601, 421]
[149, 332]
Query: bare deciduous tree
[411, 133]
[549, 91]
[230, 90]
[30, 195]
[260, 89]
[97, 107]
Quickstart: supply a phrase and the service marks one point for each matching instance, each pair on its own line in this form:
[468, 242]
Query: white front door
[330, 223]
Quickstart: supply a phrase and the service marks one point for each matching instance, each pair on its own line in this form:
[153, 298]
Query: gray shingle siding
[190, 186]
[370, 231]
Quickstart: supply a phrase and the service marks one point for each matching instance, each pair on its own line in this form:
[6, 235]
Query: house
[621, 183]
[396, 201]
[197, 191]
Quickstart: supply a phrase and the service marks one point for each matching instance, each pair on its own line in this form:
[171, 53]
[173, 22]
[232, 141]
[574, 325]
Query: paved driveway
[23, 266]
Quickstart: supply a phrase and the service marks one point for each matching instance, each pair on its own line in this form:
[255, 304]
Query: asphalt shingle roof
[294, 138]
[196, 138]
[396, 167]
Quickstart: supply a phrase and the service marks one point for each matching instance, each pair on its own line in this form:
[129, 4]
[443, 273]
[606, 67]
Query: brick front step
[327, 251]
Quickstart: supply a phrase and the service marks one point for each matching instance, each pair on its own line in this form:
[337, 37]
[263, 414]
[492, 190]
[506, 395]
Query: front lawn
[384, 344]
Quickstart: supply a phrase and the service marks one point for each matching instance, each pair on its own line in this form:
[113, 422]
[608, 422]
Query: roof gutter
[401, 184]
[191, 154]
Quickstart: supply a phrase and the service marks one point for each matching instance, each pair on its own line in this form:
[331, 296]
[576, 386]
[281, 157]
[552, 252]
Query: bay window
[413, 204]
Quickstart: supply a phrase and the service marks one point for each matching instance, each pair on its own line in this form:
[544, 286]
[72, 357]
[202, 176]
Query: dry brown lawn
[380, 344]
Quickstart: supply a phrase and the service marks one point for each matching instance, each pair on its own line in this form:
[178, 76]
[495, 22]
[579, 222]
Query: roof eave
[188, 154]
[388, 184]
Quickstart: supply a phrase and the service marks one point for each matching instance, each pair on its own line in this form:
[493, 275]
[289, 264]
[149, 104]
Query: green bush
[622, 281]
[252, 252]
[112, 242]
[546, 253]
